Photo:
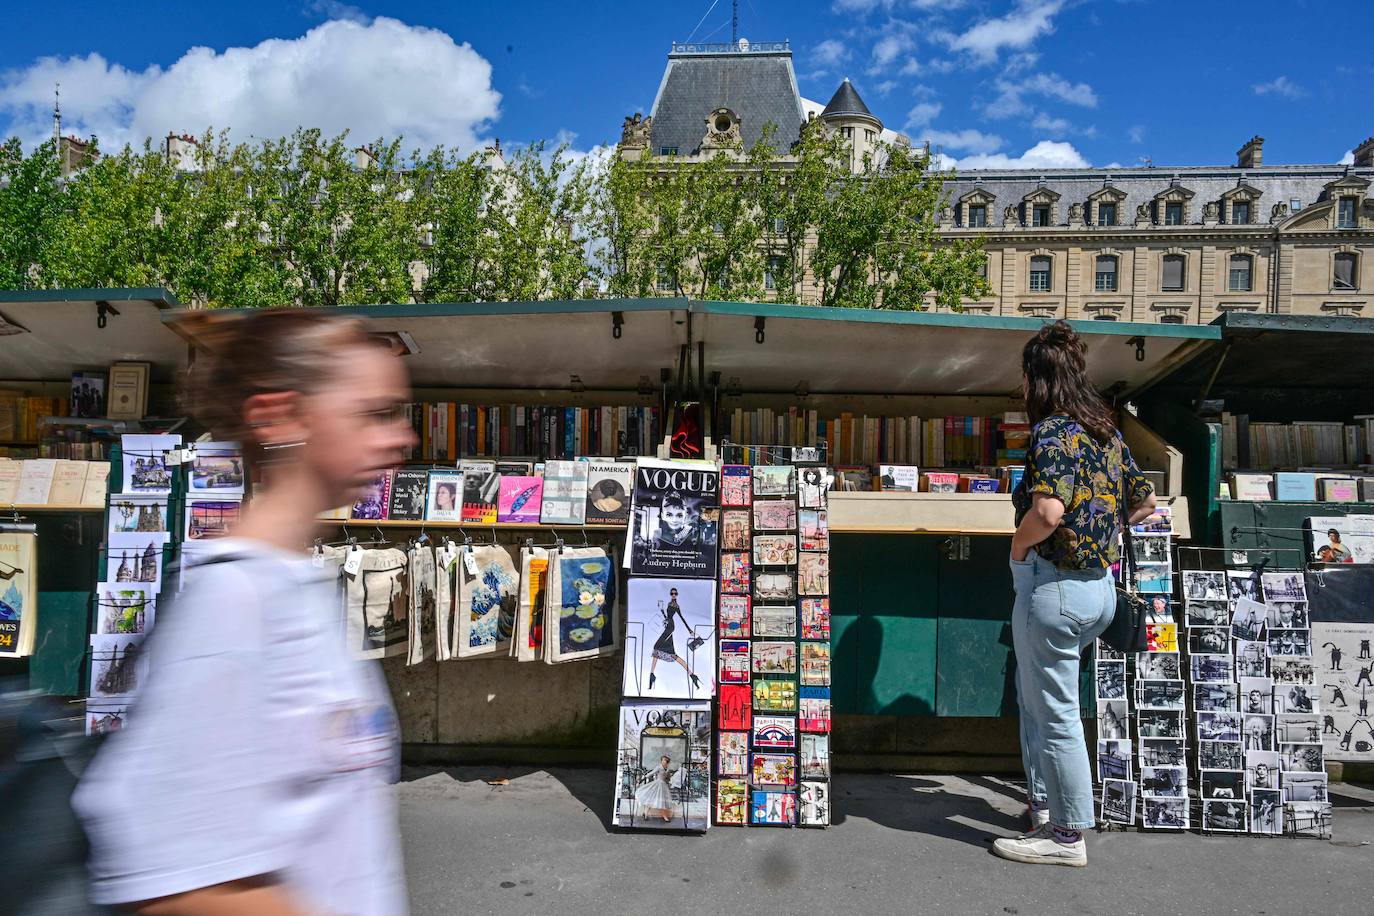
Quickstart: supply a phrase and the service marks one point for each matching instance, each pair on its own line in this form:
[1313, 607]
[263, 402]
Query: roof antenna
[57, 115]
[734, 22]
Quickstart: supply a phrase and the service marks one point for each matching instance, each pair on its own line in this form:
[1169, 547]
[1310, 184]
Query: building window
[1173, 214]
[1240, 212]
[1294, 204]
[1105, 316]
[1040, 274]
[1105, 274]
[977, 216]
[773, 271]
[983, 267]
[1240, 274]
[779, 226]
[664, 282]
[1040, 215]
[870, 135]
[1171, 319]
[1172, 279]
[1345, 275]
[1106, 214]
[667, 150]
[1345, 213]
[847, 132]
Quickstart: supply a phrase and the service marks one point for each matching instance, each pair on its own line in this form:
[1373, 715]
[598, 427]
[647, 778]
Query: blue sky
[991, 82]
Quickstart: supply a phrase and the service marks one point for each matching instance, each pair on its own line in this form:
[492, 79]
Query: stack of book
[21, 415]
[1263, 445]
[449, 431]
[53, 482]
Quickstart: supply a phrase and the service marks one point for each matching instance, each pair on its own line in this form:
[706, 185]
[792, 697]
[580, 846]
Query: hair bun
[1059, 333]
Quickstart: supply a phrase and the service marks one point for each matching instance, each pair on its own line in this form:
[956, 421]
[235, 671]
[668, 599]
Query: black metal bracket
[617, 324]
[103, 310]
[759, 324]
[1139, 343]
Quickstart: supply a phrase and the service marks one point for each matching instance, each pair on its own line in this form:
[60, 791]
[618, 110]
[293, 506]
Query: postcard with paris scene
[732, 754]
[775, 621]
[735, 489]
[1113, 760]
[775, 550]
[815, 664]
[815, 804]
[734, 661]
[772, 807]
[735, 529]
[775, 695]
[772, 587]
[1216, 697]
[815, 529]
[775, 515]
[774, 480]
[814, 755]
[814, 712]
[775, 657]
[813, 573]
[775, 732]
[815, 618]
[732, 802]
[734, 616]
[774, 770]
[734, 573]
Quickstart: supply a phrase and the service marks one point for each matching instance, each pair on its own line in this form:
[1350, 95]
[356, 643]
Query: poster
[487, 595]
[670, 639]
[675, 519]
[1345, 677]
[663, 766]
[581, 621]
[378, 608]
[18, 592]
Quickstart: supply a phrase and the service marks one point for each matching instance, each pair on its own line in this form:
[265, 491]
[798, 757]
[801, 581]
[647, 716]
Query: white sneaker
[1038, 818]
[1042, 849]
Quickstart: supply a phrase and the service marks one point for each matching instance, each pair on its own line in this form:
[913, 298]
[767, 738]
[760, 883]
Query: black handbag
[1126, 632]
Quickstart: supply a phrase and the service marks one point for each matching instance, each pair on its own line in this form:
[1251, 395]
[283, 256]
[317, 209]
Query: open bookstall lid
[46, 335]
[541, 345]
[1280, 368]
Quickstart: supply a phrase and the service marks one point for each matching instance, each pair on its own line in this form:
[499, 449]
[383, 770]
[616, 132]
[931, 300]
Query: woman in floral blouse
[1068, 519]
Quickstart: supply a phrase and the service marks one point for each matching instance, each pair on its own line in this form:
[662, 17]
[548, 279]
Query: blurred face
[353, 426]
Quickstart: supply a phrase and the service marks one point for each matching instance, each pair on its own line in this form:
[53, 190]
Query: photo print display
[734, 616]
[1297, 728]
[421, 588]
[732, 806]
[1266, 812]
[216, 469]
[1283, 586]
[1150, 550]
[1252, 659]
[675, 517]
[1211, 669]
[105, 717]
[1159, 694]
[1113, 760]
[444, 497]
[735, 489]
[1162, 752]
[134, 558]
[1247, 619]
[1220, 697]
[1219, 726]
[1289, 643]
[1287, 615]
[1111, 719]
[1162, 813]
[1224, 816]
[139, 515]
[1304, 787]
[1227, 784]
[1199, 585]
[1154, 579]
[1164, 781]
[1242, 585]
[812, 485]
[735, 530]
[1293, 671]
[1161, 637]
[1160, 723]
[1220, 755]
[663, 777]
[1157, 666]
[1262, 769]
[208, 519]
[670, 638]
[1207, 613]
[1209, 640]
[1301, 757]
[1307, 819]
[1295, 698]
[815, 804]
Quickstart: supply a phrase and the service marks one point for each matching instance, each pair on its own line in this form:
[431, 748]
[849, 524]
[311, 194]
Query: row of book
[1263, 446]
[951, 441]
[53, 482]
[448, 431]
[907, 478]
[1299, 486]
[21, 415]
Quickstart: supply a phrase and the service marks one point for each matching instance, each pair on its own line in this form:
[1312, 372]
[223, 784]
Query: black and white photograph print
[670, 635]
[1207, 613]
[1111, 680]
[1297, 728]
[1159, 694]
[1301, 758]
[1222, 783]
[1111, 719]
[1113, 760]
[812, 485]
[1247, 619]
[1293, 671]
[1150, 549]
[1118, 801]
[1162, 752]
[1224, 816]
[1209, 640]
[1164, 813]
[1219, 726]
[1288, 643]
[1304, 787]
[1261, 770]
[1283, 586]
[1256, 695]
[1158, 610]
[1287, 615]
[774, 586]
[1252, 659]
[1242, 585]
[1266, 812]
[1211, 669]
[674, 520]
[1160, 723]
[1220, 755]
[1216, 697]
[1297, 698]
[1204, 586]
[1257, 732]
[1307, 819]
[1157, 666]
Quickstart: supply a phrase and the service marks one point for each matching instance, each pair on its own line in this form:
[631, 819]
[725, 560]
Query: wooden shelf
[23, 507]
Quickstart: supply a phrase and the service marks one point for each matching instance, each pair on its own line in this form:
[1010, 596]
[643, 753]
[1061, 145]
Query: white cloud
[830, 53]
[860, 6]
[1047, 154]
[889, 48]
[974, 141]
[1348, 158]
[1010, 100]
[379, 78]
[1016, 30]
[923, 114]
[1050, 125]
[912, 67]
[1136, 133]
[1280, 86]
[885, 87]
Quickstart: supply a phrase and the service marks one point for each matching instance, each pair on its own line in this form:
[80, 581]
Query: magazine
[676, 517]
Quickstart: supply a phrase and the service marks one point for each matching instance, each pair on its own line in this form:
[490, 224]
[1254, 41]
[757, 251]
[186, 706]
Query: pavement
[487, 840]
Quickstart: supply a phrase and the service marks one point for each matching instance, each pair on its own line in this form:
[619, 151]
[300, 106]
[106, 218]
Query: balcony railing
[744, 47]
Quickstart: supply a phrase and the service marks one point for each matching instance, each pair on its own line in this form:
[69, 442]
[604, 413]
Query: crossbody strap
[1127, 554]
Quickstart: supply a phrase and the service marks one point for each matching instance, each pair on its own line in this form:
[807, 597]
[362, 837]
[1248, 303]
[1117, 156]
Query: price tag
[317, 558]
[354, 563]
[470, 561]
[172, 457]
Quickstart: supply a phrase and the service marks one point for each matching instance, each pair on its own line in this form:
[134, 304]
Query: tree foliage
[314, 220]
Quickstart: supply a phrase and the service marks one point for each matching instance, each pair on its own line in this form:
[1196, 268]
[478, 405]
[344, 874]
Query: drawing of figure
[1337, 693]
[655, 796]
[664, 650]
[1364, 676]
[1364, 702]
[1364, 649]
[1335, 655]
[1334, 551]
[1329, 726]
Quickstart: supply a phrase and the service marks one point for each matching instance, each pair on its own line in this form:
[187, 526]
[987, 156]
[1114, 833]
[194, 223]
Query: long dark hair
[1055, 365]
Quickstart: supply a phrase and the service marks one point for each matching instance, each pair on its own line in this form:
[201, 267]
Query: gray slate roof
[1277, 183]
[846, 101]
[758, 87]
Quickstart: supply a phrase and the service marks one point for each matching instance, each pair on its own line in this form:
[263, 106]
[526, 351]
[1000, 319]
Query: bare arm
[1143, 509]
[249, 897]
[1046, 512]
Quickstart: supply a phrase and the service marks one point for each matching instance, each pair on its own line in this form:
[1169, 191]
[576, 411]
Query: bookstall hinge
[103, 310]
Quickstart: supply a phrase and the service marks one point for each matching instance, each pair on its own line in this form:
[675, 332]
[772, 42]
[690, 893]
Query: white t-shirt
[258, 746]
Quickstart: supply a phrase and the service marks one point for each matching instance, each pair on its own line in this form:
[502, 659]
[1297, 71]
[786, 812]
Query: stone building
[1155, 244]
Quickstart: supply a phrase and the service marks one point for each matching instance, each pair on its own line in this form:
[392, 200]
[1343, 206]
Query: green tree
[450, 194]
[30, 199]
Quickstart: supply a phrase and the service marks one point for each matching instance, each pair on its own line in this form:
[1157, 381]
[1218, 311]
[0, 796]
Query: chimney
[1364, 153]
[1251, 155]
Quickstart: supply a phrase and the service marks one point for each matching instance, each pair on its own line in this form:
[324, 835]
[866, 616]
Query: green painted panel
[1200, 443]
[59, 655]
[1273, 530]
[883, 609]
[976, 674]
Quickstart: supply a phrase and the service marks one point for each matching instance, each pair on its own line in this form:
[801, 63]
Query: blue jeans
[1058, 613]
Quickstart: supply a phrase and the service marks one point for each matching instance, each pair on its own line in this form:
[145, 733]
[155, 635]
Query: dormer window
[1040, 215]
[1240, 212]
[1173, 214]
[1171, 205]
[971, 210]
[1106, 214]
[1345, 213]
[1104, 205]
[1238, 204]
[977, 216]
[1041, 207]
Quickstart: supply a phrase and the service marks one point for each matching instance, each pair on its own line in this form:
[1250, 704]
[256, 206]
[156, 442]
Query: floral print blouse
[1066, 462]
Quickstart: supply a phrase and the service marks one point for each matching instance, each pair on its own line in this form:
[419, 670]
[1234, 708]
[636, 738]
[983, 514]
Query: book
[376, 499]
[608, 491]
[899, 478]
[409, 490]
[1366, 489]
[68, 481]
[128, 391]
[1338, 489]
[939, 482]
[1341, 539]
[88, 394]
[1251, 487]
[481, 486]
[565, 493]
[519, 499]
[1010, 477]
[971, 484]
[35, 481]
[1295, 486]
[444, 490]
